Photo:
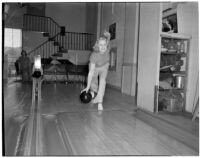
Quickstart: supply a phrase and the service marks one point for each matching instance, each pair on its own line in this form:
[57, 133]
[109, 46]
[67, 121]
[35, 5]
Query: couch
[67, 72]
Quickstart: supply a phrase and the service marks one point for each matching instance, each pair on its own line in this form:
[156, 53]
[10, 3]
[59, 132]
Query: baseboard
[118, 89]
[113, 87]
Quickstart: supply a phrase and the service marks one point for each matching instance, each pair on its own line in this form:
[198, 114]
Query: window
[12, 48]
[13, 38]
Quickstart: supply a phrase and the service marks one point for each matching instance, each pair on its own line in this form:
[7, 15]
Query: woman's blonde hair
[96, 45]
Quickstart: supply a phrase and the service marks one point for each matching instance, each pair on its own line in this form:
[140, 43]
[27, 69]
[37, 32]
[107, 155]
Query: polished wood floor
[65, 126]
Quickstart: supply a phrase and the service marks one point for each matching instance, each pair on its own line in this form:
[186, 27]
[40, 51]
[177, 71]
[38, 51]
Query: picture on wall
[169, 24]
[113, 59]
[112, 30]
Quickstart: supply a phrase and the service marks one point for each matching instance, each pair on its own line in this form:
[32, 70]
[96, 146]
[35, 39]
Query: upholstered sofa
[67, 72]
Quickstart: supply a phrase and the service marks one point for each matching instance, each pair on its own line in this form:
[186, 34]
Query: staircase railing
[59, 43]
[57, 39]
[40, 24]
[76, 41]
[45, 49]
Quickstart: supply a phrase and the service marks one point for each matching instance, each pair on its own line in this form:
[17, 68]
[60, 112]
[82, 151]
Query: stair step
[61, 48]
[56, 44]
[62, 34]
[57, 55]
[63, 51]
[46, 34]
[51, 39]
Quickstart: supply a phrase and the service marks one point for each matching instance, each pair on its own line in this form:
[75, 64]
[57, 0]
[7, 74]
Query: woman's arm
[107, 35]
[90, 75]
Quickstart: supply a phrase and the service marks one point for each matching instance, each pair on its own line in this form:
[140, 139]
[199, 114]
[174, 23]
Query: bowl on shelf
[179, 81]
[164, 49]
[172, 51]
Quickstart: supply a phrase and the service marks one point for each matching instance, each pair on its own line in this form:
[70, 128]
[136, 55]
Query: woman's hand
[107, 34]
[90, 75]
[86, 89]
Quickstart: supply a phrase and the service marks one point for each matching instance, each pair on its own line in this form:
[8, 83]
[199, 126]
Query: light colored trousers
[99, 88]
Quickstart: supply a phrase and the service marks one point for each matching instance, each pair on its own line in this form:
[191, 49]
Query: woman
[98, 67]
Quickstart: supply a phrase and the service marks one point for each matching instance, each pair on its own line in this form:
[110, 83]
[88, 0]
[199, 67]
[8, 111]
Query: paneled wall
[148, 54]
[130, 48]
[125, 15]
[188, 16]
[115, 13]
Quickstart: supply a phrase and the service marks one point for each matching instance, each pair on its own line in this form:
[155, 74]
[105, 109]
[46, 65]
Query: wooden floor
[68, 127]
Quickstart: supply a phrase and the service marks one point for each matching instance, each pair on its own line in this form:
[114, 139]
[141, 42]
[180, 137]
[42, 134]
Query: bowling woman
[98, 66]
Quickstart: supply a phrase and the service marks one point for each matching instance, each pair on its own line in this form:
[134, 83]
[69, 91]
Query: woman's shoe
[100, 106]
[94, 101]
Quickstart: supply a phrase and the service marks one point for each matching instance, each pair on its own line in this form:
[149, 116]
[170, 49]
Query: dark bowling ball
[37, 74]
[85, 97]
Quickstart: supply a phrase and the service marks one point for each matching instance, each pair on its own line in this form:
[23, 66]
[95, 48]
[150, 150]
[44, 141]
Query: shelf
[173, 72]
[173, 53]
[178, 89]
[175, 35]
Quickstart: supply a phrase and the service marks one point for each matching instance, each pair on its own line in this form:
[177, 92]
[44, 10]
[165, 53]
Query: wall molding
[113, 87]
[128, 64]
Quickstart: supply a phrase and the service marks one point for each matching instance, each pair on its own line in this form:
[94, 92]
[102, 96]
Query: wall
[125, 15]
[130, 48]
[36, 9]
[5, 66]
[77, 57]
[169, 5]
[31, 40]
[15, 16]
[111, 13]
[148, 54]
[91, 17]
[73, 16]
[188, 23]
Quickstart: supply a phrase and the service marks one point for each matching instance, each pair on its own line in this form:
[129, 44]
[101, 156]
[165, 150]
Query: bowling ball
[36, 74]
[85, 97]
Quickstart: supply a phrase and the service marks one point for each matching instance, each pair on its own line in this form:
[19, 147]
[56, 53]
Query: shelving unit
[173, 72]
[150, 53]
[180, 89]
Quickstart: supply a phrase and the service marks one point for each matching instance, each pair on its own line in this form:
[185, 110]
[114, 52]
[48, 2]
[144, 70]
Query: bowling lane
[107, 133]
[16, 106]
[62, 125]
[52, 139]
[65, 98]
[17, 99]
